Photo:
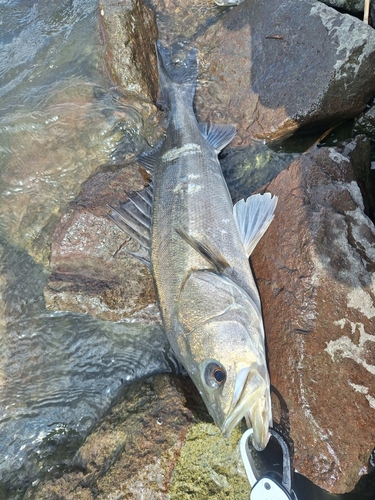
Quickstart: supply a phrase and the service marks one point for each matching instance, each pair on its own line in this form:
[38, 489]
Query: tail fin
[175, 77]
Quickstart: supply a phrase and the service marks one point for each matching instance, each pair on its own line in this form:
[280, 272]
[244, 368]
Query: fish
[197, 247]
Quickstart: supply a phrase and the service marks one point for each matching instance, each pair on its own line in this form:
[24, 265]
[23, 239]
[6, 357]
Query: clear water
[59, 121]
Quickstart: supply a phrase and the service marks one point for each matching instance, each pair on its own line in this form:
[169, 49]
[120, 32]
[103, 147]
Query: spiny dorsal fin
[134, 218]
[148, 160]
[253, 217]
[207, 251]
[218, 136]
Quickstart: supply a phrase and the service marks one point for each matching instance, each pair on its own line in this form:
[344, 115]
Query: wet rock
[149, 446]
[365, 123]
[315, 268]
[91, 272]
[53, 152]
[180, 21]
[277, 67]
[249, 55]
[129, 32]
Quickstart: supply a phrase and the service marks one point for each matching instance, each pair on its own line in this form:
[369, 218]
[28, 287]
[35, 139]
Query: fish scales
[189, 192]
[198, 255]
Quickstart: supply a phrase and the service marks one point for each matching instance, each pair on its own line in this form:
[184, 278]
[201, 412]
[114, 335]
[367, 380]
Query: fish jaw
[250, 400]
[260, 420]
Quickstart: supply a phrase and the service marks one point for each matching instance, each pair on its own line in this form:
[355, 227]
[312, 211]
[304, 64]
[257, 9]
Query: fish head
[224, 354]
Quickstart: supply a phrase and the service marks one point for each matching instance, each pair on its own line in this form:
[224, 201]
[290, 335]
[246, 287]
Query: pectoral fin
[253, 217]
[206, 250]
[134, 218]
[218, 136]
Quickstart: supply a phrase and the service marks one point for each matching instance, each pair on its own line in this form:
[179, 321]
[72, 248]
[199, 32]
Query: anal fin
[134, 218]
[253, 217]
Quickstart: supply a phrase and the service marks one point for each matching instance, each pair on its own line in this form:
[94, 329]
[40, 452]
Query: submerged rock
[52, 154]
[315, 268]
[158, 442]
[129, 32]
[91, 271]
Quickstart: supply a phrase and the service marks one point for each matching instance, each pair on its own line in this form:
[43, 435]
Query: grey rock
[277, 67]
[354, 6]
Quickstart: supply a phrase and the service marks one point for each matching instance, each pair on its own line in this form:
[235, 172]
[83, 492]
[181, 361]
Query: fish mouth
[250, 401]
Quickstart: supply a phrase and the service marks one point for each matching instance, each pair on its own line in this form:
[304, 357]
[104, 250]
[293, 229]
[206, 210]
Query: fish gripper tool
[271, 485]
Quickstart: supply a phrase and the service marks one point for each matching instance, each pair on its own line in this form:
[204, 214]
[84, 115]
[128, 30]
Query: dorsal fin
[134, 218]
[207, 251]
[253, 217]
[218, 136]
[148, 160]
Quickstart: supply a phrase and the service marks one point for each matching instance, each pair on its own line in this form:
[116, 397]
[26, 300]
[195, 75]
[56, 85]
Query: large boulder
[354, 6]
[272, 68]
[315, 268]
[276, 67]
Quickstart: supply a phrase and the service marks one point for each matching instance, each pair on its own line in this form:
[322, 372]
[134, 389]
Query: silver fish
[197, 246]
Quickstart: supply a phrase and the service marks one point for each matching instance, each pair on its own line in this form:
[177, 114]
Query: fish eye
[215, 375]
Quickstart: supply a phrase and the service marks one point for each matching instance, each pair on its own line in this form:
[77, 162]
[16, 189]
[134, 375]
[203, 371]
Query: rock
[129, 31]
[315, 268]
[156, 442]
[181, 22]
[53, 152]
[250, 68]
[354, 6]
[249, 55]
[91, 272]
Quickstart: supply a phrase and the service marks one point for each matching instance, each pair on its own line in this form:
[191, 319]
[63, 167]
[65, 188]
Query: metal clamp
[271, 485]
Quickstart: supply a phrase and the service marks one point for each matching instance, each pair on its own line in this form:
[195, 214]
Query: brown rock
[315, 268]
[275, 67]
[91, 272]
[271, 68]
[52, 155]
[129, 32]
[150, 446]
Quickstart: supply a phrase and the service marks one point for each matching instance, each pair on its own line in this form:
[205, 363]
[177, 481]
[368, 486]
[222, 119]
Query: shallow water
[60, 119]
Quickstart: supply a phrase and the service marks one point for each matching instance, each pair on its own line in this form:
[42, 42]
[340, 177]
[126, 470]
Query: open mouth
[249, 393]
